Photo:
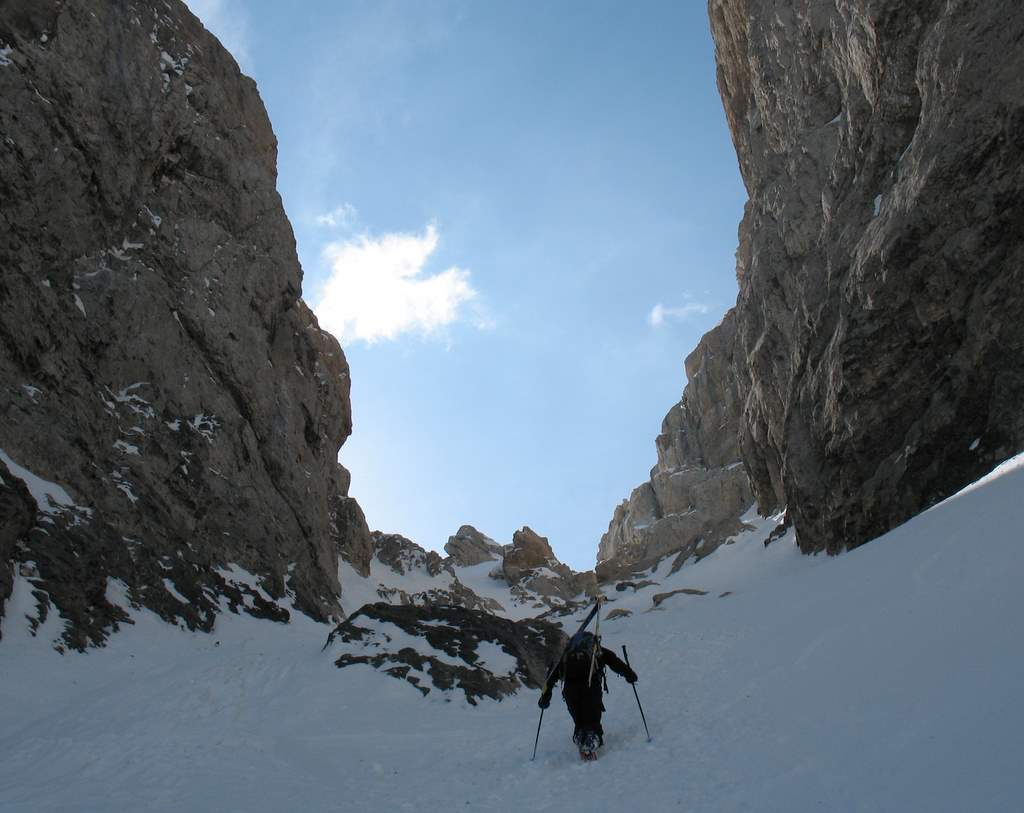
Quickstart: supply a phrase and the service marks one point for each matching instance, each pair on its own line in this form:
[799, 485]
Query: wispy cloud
[342, 217]
[660, 313]
[228, 21]
[377, 289]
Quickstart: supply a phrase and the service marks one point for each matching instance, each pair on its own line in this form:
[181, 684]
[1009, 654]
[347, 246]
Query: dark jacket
[584, 700]
[605, 657]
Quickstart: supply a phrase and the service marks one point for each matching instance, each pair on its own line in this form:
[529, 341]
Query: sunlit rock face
[470, 547]
[698, 490]
[530, 567]
[879, 351]
[158, 365]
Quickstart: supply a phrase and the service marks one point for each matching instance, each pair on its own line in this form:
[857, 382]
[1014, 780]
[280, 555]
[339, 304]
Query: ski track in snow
[885, 679]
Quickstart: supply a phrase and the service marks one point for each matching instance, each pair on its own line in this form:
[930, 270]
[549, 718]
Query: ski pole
[537, 738]
[635, 694]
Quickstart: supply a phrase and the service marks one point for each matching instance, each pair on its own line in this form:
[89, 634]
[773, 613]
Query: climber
[581, 670]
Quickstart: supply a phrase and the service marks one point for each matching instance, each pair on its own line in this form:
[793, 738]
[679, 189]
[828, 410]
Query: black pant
[585, 705]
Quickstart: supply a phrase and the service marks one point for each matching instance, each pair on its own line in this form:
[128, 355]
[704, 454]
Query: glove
[545, 700]
[631, 676]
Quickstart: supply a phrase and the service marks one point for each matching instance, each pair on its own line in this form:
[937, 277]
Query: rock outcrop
[159, 368]
[408, 575]
[17, 518]
[698, 490]
[526, 578]
[405, 556]
[469, 547]
[530, 566]
[448, 648]
[529, 551]
[879, 350]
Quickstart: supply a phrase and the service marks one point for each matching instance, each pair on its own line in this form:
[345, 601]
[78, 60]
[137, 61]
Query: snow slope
[423, 588]
[888, 678]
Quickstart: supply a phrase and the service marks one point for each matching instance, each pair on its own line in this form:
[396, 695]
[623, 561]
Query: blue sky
[519, 218]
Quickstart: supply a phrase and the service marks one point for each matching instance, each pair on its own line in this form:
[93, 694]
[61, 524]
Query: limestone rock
[532, 566]
[529, 550]
[451, 593]
[17, 517]
[403, 555]
[416, 577]
[470, 547]
[683, 591]
[586, 582]
[703, 429]
[879, 340]
[157, 363]
[347, 523]
[448, 648]
[698, 489]
[621, 587]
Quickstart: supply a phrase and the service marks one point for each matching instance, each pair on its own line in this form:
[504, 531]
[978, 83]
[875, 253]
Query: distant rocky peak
[405, 556]
[530, 566]
[468, 546]
[529, 549]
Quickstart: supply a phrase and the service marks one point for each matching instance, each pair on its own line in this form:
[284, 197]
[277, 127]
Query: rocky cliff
[698, 489]
[170, 412]
[878, 353]
[873, 363]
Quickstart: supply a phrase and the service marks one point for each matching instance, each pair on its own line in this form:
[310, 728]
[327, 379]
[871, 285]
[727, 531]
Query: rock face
[529, 551]
[873, 364]
[448, 648]
[158, 366]
[879, 342]
[698, 489]
[531, 566]
[470, 547]
[404, 556]
[17, 517]
[409, 575]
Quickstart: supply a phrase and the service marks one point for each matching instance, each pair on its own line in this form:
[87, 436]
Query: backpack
[578, 657]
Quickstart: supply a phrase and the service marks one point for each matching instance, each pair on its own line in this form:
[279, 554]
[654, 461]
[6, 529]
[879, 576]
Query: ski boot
[588, 743]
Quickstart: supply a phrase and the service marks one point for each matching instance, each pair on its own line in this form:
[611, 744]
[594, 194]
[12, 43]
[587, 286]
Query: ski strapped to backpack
[596, 647]
[575, 638]
[581, 662]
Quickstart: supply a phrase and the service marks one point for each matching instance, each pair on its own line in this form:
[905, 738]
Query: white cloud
[377, 289]
[342, 217]
[659, 313]
[228, 21]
